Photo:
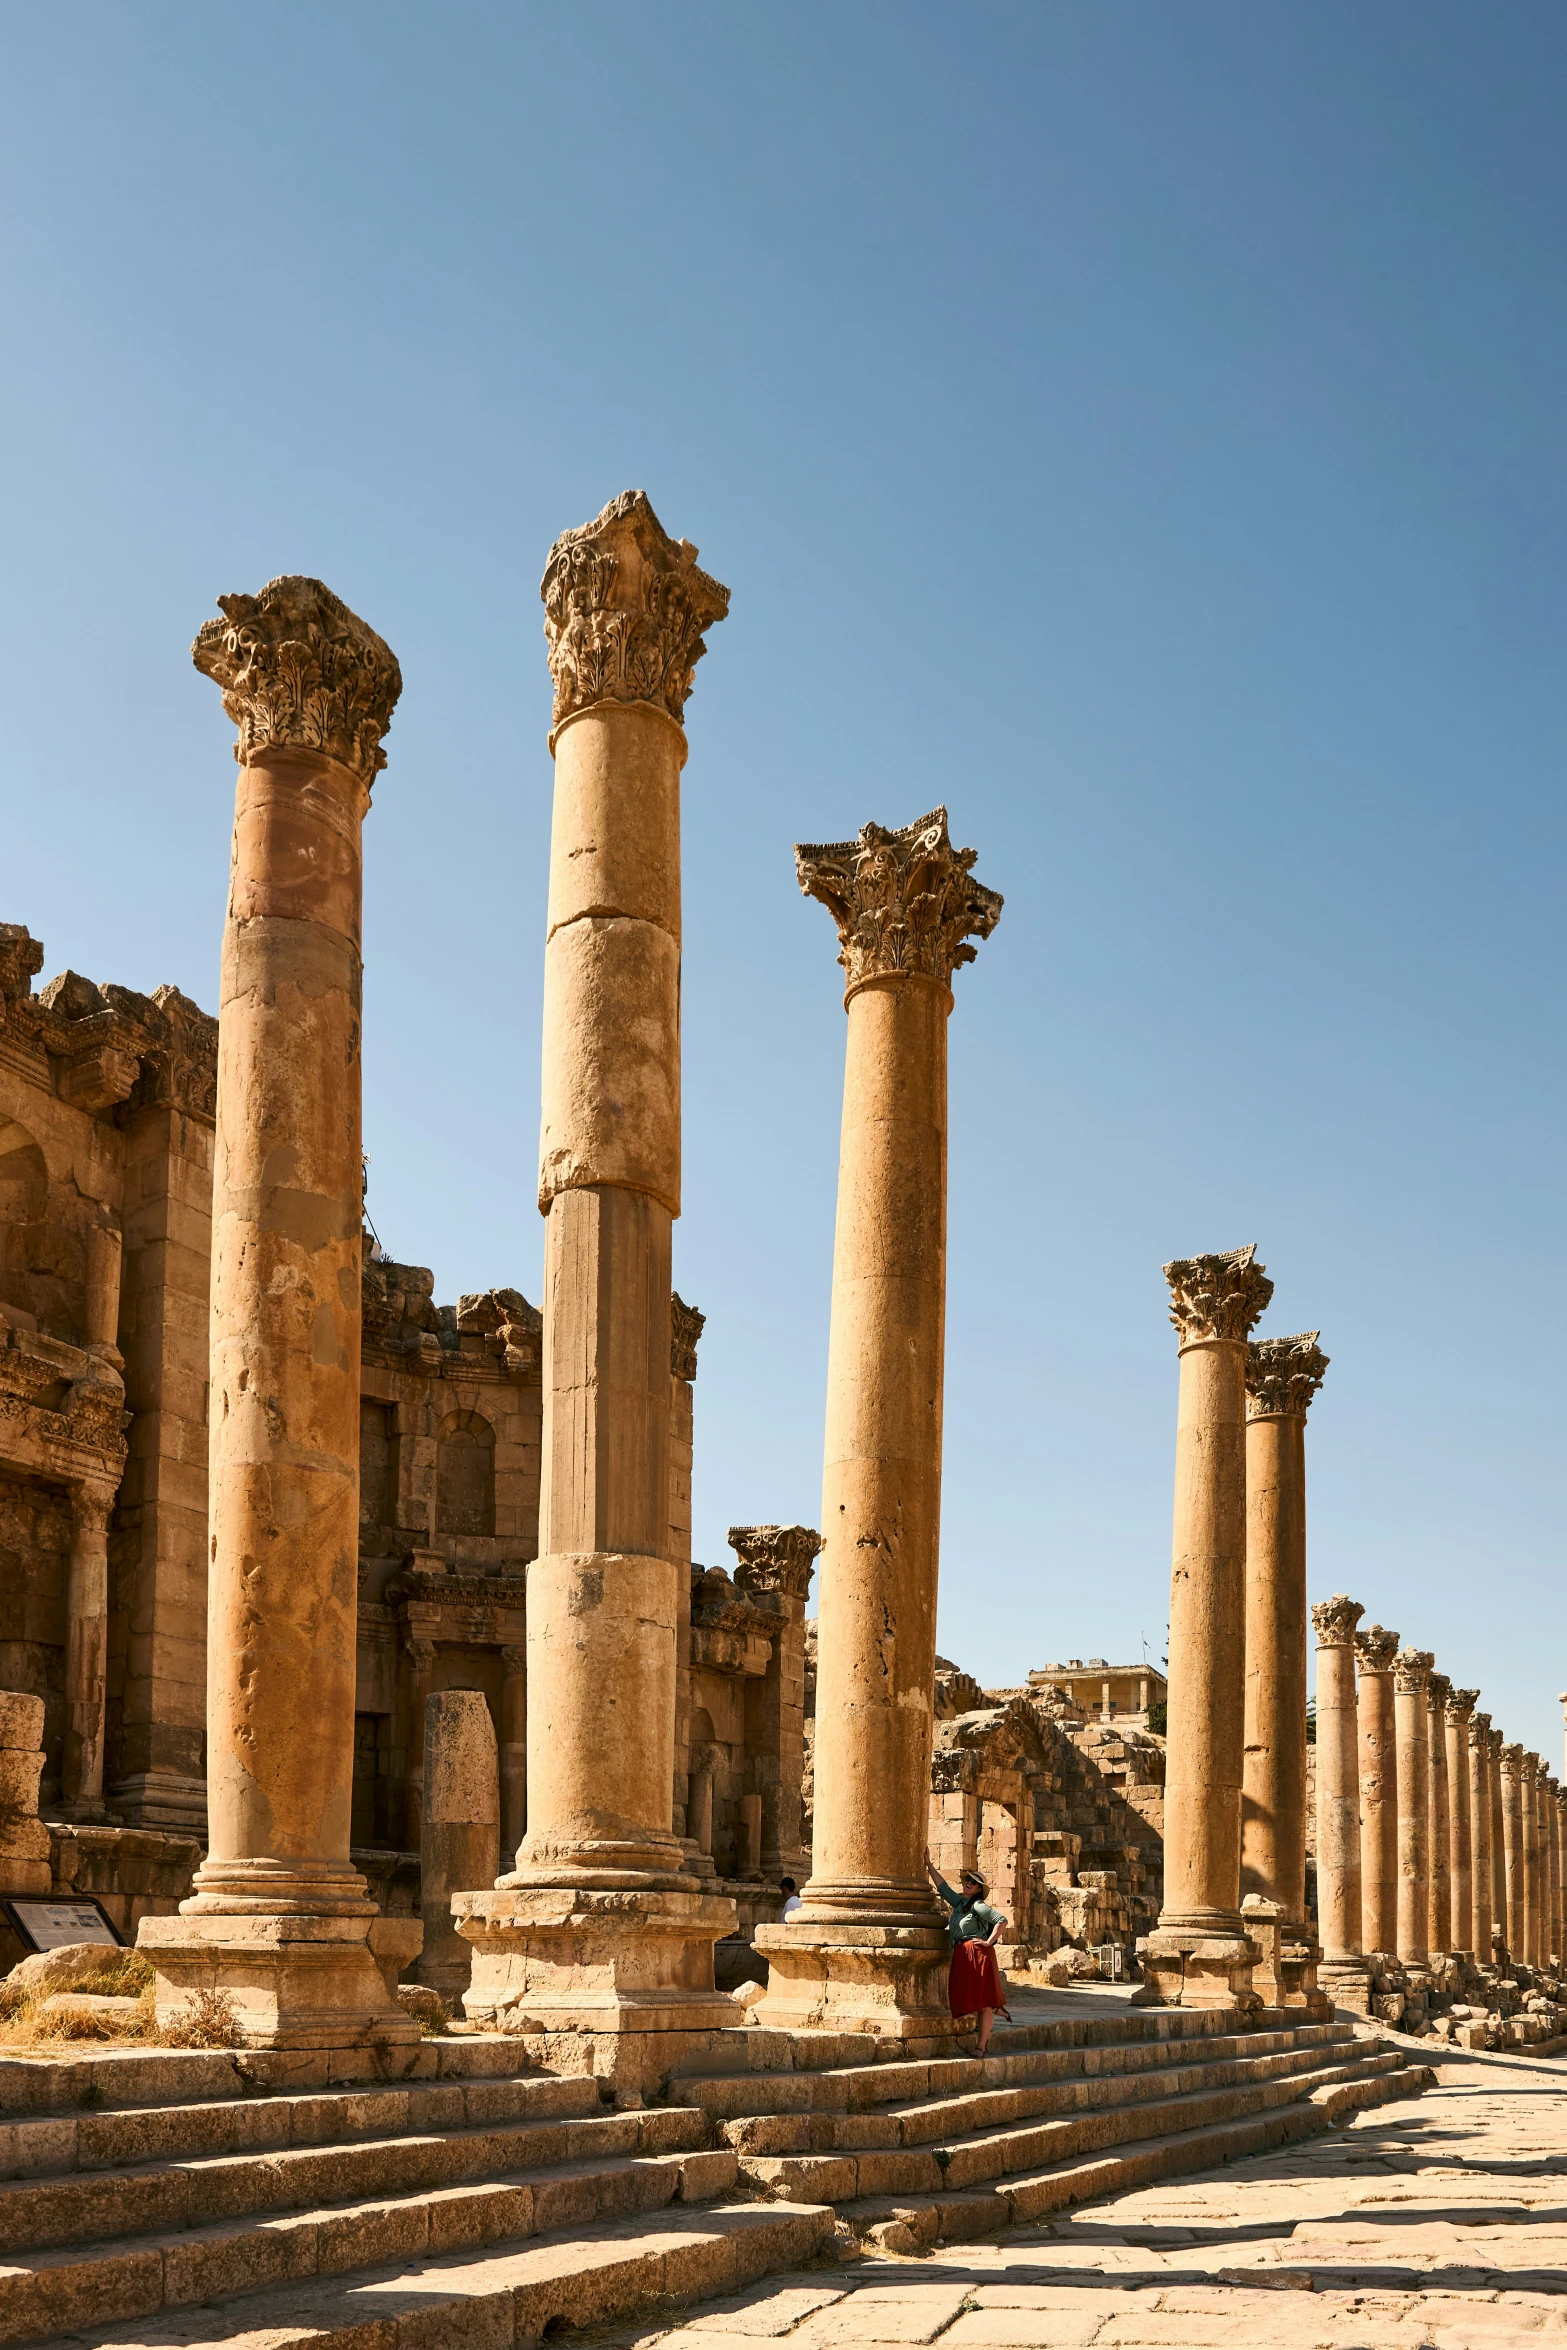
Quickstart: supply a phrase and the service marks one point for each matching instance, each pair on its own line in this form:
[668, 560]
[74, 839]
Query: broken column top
[299, 670]
[625, 611]
[1335, 1620]
[1217, 1296]
[905, 902]
[1283, 1375]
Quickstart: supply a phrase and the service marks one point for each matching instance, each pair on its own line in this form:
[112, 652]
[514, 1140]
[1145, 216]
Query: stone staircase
[255, 2199]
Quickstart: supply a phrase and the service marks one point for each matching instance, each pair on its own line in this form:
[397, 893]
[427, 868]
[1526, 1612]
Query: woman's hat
[973, 1877]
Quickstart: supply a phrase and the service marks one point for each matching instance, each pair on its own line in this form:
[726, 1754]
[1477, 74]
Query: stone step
[984, 2154]
[177, 2076]
[944, 2119]
[902, 2224]
[116, 2136]
[84, 2207]
[857, 2088]
[485, 2299]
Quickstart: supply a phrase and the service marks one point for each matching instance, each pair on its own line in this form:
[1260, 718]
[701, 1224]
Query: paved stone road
[1438, 2221]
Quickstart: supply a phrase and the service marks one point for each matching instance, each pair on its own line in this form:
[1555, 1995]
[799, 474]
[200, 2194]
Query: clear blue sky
[1137, 427]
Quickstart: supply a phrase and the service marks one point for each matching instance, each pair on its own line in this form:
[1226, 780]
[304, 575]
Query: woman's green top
[968, 1920]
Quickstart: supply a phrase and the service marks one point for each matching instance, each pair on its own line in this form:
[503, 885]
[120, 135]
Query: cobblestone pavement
[1438, 2221]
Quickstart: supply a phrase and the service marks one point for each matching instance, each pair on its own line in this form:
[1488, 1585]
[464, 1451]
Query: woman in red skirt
[973, 1929]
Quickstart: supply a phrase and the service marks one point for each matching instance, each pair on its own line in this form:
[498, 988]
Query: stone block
[21, 1723]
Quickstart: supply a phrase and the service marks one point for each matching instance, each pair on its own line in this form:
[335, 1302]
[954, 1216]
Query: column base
[886, 1980]
[575, 1959]
[291, 1981]
[1200, 1966]
[1285, 1974]
[1347, 1982]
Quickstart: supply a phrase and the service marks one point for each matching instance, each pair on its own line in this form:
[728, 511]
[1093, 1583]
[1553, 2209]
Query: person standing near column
[1479, 1767]
[1282, 1377]
[1199, 1955]
[598, 1929]
[1343, 1973]
[866, 1949]
[278, 1916]
[1411, 1672]
[1460, 1880]
[1438, 1908]
[1378, 1792]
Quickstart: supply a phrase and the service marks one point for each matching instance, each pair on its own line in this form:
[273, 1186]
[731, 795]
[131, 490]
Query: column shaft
[1501, 1919]
[1439, 1904]
[513, 1755]
[86, 1653]
[1340, 1898]
[1531, 1863]
[1513, 1857]
[1273, 1801]
[1414, 1799]
[1460, 1882]
[1478, 1760]
[1378, 1791]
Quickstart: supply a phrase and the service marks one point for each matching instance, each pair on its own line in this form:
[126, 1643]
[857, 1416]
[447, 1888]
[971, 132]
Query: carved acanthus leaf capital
[1461, 1704]
[1438, 1690]
[686, 1326]
[1377, 1648]
[1480, 1733]
[1498, 1738]
[298, 669]
[1217, 1297]
[1412, 1670]
[1512, 1762]
[905, 902]
[1282, 1375]
[775, 1558]
[1335, 1620]
[625, 610]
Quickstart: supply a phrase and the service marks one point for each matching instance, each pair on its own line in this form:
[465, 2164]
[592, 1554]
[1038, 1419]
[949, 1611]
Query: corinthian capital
[1438, 1690]
[1412, 1670]
[1512, 1762]
[1282, 1375]
[686, 1326]
[904, 902]
[1480, 1733]
[775, 1558]
[1461, 1704]
[298, 669]
[1335, 1620]
[625, 609]
[1377, 1648]
[1217, 1297]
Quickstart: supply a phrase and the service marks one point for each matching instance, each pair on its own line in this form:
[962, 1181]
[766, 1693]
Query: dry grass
[25, 2030]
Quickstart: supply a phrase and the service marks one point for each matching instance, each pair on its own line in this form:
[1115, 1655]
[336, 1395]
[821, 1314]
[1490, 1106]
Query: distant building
[1121, 1693]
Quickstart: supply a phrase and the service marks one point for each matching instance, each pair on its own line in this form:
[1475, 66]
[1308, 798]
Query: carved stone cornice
[298, 670]
[1335, 1620]
[775, 1559]
[1412, 1671]
[686, 1326]
[1480, 1733]
[1512, 1762]
[905, 901]
[1461, 1704]
[625, 610]
[1283, 1375]
[1218, 1296]
[1377, 1648]
[179, 1068]
[1438, 1690]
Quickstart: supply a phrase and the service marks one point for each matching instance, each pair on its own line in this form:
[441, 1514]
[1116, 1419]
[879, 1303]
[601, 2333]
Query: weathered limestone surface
[1438, 1907]
[1340, 1902]
[1199, 1955]
[279, 1918]
[459, 1842]
[1282, 1376]
[1482, 1919]
[599, 1930]
[866, 1950]
[1513, 1862]
[775, 1567]
[1411, 1673]
[1378, 1759]
[1460, 1706]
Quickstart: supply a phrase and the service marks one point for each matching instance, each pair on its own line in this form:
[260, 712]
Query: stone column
[1550, 1937]
[1478, 1761]
[1438, 1906]
[1282, 1376]
[1559, 1873]
[686, 1325]
[1344, 1973]
[278, 1917]
[514, 1749]
[1460, 1872]
[1411, 1671]
[105, 1253]
[774, 1569]
[1378, 1792]
[1513, 1851]
[459, 1832]
[597, 1930]
[421, 1664]
[86, 1652]
[1498, 1847]
[1199, 1955]
[1527, 1782]
[866, 1951]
